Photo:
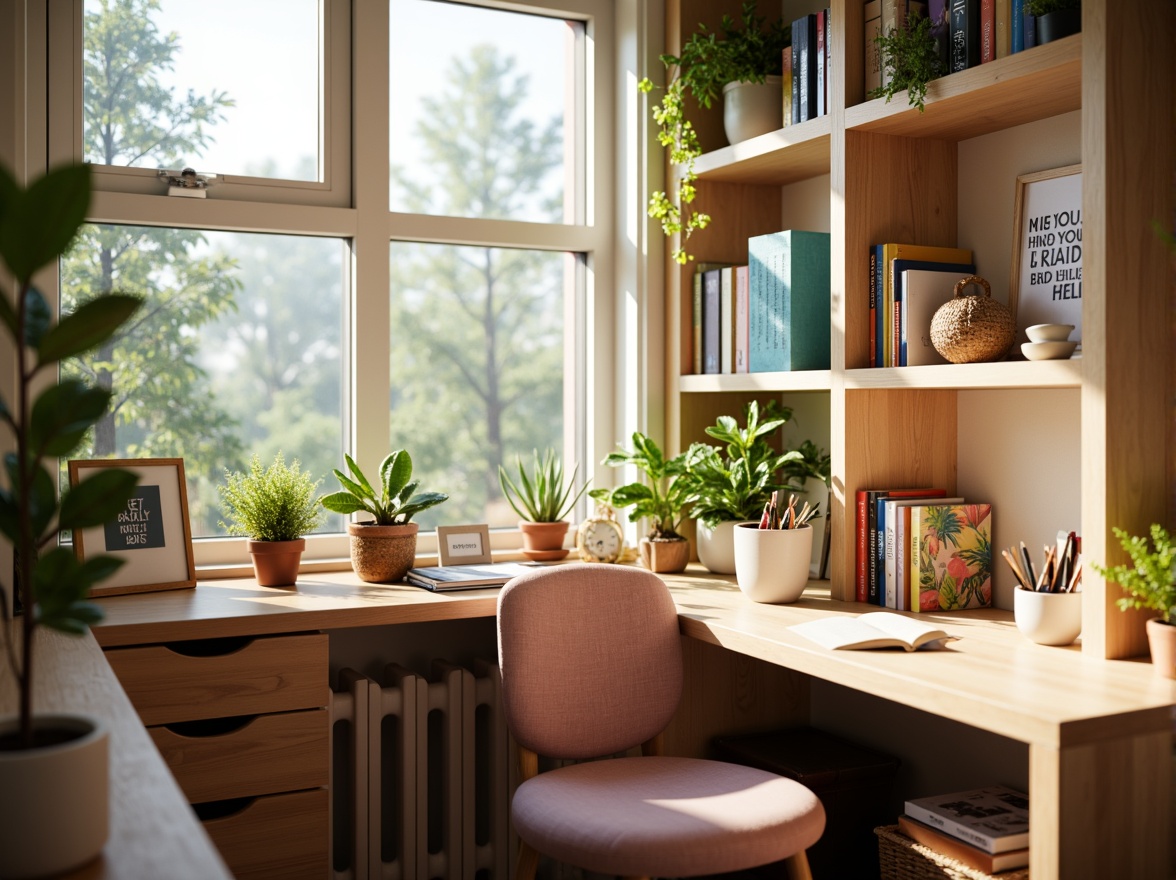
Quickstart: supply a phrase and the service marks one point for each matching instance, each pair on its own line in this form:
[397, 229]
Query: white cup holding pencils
[772, 565]
[1048, 618]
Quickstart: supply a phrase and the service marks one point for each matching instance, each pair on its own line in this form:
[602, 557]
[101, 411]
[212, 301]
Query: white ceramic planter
[772, 565]
[56, 799]
[1048, 618]
[716, 547]
[751, 109]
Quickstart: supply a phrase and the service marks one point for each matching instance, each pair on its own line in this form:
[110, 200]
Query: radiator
[419, 775]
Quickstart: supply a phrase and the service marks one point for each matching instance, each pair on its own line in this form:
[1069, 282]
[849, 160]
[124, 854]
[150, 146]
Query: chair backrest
[591, 658]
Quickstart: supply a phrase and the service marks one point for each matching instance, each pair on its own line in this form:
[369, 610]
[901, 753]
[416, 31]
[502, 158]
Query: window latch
[187, 183]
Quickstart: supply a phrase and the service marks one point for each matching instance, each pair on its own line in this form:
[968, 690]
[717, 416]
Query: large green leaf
[61, 585]
[420, 502]
[62, 414]
[395, 472]
[342, 502]
[97, 499]
[37, 225]
[354, 488]
[365, 489]
[87, 327]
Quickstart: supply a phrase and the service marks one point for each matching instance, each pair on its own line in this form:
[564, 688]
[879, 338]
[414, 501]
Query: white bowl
[1049, 332]
[1048, 351]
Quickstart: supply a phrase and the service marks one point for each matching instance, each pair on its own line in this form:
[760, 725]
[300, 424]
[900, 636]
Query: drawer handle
[210, 647]
[222, 809]
[209, 727]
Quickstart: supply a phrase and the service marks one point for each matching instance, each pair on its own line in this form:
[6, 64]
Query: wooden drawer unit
[276, 837]
[243, 757]
[219, 678]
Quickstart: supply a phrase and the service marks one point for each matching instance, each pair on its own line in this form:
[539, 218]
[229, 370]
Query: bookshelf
[890, 173]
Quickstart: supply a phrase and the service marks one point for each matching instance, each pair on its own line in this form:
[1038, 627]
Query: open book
[877, 629]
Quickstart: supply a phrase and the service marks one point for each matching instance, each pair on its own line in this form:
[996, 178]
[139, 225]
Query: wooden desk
[1099, 732]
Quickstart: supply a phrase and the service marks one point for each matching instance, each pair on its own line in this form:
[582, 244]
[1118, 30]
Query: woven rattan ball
[970, 328]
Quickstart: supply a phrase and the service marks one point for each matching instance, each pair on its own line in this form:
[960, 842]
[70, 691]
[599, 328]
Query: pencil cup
[772, 565]
[1048, 618]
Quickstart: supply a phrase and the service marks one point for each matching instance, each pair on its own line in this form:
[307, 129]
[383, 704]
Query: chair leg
[796, 867]
[527, 863]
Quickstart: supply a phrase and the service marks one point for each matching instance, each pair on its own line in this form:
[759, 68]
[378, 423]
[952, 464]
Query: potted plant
[661, 497]
[274, 507]
[542, 498]
[731, 484]
[383, 549]
[1150, 582]
[772, 554]
[912, 57]
[1055, 18]
[53, 768]
[711, 65]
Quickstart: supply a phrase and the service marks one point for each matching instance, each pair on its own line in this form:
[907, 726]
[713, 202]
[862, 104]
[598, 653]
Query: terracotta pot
[275, 563]
[57, 794]
[1161, 638]
[543, 541]
[664, 557]
[382, 554]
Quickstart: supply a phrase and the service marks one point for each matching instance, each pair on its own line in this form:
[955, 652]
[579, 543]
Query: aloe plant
[397, 501]
[543, 495]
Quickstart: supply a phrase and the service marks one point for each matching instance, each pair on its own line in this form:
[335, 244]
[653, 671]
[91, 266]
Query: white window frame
[615, 368]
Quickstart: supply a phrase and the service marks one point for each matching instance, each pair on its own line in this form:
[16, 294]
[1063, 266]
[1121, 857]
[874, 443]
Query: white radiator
[420, 783]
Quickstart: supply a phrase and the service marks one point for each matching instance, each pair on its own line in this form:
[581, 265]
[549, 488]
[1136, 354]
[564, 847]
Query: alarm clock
[600, 538]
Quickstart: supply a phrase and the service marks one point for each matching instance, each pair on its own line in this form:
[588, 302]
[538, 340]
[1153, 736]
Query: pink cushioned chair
[592, 666]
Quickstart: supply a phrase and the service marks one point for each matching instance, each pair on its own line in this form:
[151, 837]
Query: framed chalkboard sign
[1046, 279]
[152, 534]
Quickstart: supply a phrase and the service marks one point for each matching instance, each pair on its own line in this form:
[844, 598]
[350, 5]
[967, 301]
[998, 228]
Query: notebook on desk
[441, 578]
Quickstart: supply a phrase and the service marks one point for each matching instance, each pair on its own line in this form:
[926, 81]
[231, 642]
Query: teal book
[788, 301]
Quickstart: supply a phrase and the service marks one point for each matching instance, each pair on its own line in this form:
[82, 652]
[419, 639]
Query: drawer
[243, 757]
[276, 837]
[217, 678]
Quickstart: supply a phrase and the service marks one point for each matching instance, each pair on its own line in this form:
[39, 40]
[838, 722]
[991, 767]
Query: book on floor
[875, 629]
[965, 853]
[994, 818]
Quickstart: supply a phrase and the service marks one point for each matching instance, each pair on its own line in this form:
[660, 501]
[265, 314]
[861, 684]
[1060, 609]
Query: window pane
[477, 368]
[222, 86]
[236, 351]
[481, 120]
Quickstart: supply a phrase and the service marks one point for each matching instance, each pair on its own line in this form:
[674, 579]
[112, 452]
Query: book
[1004, 12]
[727, 319]
[696, 322]
[875, 258]
[820, 65]
[788, 301]
[901, 251]
[828, 54]
[898, 295]
[894, 526]
[951, 557]
[786, 68]
[466, 577]
[939, 11]
[987, 31]
[994, 819]
[1017, 27]
[804, 67]
[965, 853]
[873, 553]
[741, 304]
[874, 629]
[872, 12]
[965, 34]
[862, 568]
[1030, 30]
[712, 283]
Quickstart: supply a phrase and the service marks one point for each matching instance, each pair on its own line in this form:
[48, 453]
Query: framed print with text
[1045, 285]
[152, 536]
[463, 545]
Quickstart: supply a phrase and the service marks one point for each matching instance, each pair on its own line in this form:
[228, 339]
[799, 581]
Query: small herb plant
[707, 63]
[1150, 580]
[911, 57]
[541, 496]
[661, 497]
[274, 503]
[397, 501]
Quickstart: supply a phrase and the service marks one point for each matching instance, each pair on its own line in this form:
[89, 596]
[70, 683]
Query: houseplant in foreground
[383, 549]
[53, 768]
[661, 497]
[1150, 583]
[710, 66]
[542, 498]
[274, 507]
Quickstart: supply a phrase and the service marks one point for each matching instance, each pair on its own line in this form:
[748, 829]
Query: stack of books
[985, 828]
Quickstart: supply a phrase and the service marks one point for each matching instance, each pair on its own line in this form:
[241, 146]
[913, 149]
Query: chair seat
[665, 817]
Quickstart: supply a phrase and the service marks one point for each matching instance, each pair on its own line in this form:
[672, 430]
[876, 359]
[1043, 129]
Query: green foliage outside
[274, 503]
[663, 493]
[1150, 579]
[395, 504]
[911, 58]
[541, 494]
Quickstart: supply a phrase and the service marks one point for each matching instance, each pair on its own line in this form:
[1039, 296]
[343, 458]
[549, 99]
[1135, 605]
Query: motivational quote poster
[1049, 277]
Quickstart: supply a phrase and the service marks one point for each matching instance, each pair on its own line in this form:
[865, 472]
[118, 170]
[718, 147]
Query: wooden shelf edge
[803, 380]
[787, 155]
[1000, 375]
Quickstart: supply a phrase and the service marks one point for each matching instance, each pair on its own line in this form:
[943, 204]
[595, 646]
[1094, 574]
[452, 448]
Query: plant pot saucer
[546, 555]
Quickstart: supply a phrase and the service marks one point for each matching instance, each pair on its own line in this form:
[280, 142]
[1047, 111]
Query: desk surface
[991, 677]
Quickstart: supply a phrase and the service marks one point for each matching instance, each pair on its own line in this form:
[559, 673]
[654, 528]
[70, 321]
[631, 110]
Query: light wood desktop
[1099, 732]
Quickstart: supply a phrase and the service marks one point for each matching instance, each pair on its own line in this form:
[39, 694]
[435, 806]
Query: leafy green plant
[274, 503]
[543, 495]
[661, 497]
[1044, 7]
[397, 501]
[746, 53]
[735, 482]
[1150, 580]
[911, 57]
[36, 227]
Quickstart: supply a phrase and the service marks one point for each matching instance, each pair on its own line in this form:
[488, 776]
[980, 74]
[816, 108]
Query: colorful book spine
[788, 296]
[939, 11]
[727, 320]
[741, 314]
[1030, 30]
[1017, 27]
[951, 556]
[712, 284]
[987, 31]
[861, 587]
[875, 257]
[828, 54]
[965, 34]
[696, 322]
[804, 66]
[1004, 13]
[788, 93]
[820, 64]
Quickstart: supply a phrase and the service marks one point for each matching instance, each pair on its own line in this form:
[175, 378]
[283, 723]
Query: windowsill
[309, 566]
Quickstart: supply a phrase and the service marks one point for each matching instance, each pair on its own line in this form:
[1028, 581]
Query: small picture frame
[1045, 283]
[152, 536]
[463, 545]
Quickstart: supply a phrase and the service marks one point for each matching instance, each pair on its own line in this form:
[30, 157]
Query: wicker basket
[973, 328]
[900, 858]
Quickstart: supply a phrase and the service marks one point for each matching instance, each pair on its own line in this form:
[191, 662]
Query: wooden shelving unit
[894, 175]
